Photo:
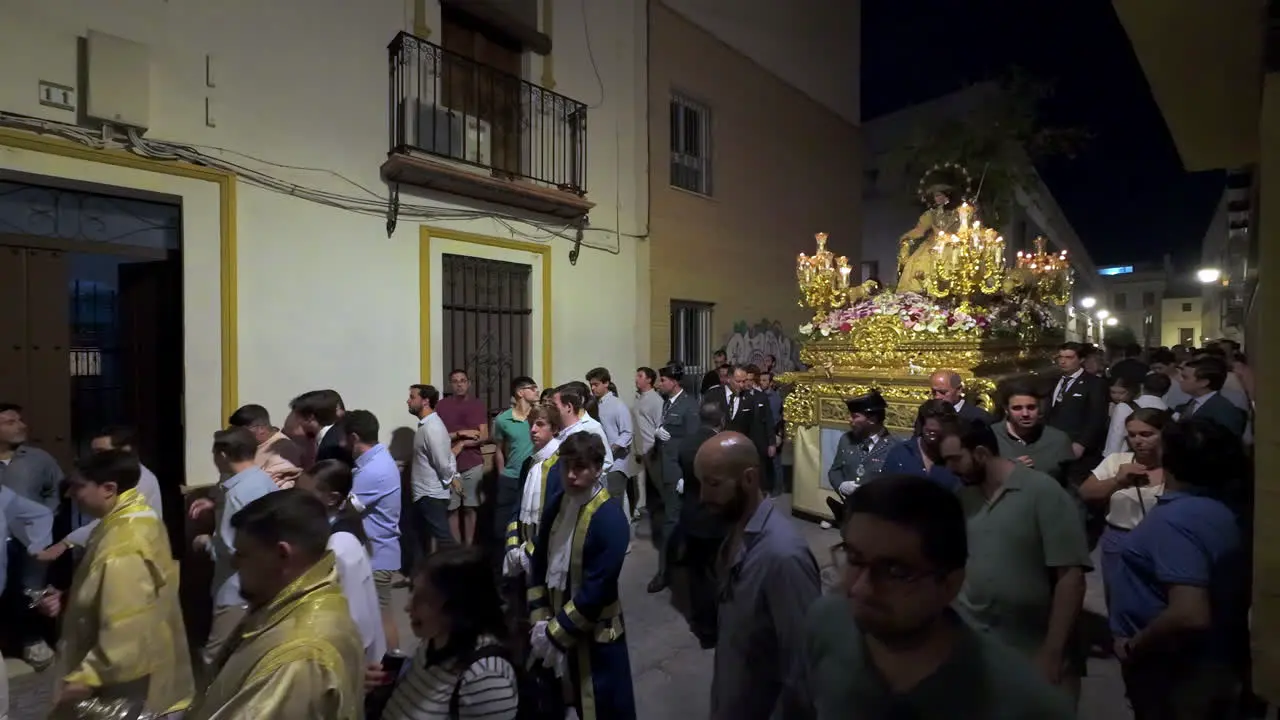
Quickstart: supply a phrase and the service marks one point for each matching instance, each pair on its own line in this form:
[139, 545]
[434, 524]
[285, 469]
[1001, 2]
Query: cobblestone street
[672, 673]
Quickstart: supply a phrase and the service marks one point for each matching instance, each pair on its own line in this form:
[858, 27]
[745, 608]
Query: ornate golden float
[964, 311]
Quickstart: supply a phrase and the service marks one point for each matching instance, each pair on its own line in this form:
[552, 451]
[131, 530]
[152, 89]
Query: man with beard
[1025, 438]
[1025, 576]
[297, 654]
[889, 645]
[769, 580]
[861, 451]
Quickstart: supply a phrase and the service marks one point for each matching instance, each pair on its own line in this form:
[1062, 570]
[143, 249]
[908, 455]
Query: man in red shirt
[467, 421]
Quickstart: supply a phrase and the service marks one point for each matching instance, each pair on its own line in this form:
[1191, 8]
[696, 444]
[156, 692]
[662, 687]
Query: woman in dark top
[918, 455]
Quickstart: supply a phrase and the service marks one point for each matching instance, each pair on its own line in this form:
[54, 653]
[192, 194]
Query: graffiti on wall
[753, 343]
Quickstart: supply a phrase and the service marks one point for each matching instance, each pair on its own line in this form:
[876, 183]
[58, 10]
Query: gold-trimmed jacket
[123, 620]
[300, 656]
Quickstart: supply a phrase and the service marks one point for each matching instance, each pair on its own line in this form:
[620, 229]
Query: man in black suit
[703, 530]
[1203, 379]
[1079, 407]
[713, 376]
[746, 411]
[319, 414]
[947, 385]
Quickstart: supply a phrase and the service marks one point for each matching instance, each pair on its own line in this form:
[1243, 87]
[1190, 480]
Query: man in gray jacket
[679, 420]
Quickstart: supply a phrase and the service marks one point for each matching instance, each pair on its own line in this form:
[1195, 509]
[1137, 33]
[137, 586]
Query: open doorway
[91, 300]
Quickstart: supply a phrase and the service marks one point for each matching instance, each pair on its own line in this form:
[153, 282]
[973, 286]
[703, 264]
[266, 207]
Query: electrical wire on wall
[368, 202]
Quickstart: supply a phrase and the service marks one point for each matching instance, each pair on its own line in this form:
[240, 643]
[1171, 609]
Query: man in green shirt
[1028, 554]
[1026, 439]
[888, 645]
[515, 445]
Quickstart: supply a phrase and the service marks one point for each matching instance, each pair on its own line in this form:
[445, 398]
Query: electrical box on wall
[118, 73]
[39, 65]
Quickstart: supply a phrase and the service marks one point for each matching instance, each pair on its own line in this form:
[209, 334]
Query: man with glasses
[889, 644]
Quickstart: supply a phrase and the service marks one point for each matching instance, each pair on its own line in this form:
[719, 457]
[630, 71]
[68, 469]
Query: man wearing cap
[861, 451]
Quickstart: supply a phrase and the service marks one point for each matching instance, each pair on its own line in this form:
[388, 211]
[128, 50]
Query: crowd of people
[963, 550]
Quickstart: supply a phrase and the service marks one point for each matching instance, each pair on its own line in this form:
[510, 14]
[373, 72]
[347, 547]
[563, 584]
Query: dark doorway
[91, 284]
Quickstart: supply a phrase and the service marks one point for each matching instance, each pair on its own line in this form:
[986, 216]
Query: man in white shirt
[570, 400]
[433, 472]
[116, 437]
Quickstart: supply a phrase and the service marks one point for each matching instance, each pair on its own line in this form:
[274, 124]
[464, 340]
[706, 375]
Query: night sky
[1125, 193]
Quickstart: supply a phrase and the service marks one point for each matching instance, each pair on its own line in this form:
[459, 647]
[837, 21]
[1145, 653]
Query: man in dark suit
[948, 385]
[1203, 379]
[703, 530]
[1079, 407]
[713, 376]
[319, 414]
[679, 420]
[746, 411]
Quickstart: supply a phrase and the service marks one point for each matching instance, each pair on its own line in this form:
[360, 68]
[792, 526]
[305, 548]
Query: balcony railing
[449, 106]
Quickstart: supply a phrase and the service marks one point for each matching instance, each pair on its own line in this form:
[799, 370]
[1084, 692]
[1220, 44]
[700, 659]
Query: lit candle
[844, 276]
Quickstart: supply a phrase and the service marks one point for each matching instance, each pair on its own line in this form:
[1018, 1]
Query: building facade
[1182, 322]
[891, 205]
[1214, 71]
[1228, 249]
[1135, 296]
[755, 147]
[295, 195]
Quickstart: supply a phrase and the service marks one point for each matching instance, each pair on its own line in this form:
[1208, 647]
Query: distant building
[890, 206]
[1227, 250]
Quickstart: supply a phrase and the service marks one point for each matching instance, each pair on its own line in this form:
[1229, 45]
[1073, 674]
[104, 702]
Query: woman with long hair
[462, 667]
[331, 481]
[1129, 482]
[1124, 396]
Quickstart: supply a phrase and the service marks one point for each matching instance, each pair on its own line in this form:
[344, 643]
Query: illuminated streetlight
[1103, 314]
[1208, 275]
[1088, 301]
[1112, 322]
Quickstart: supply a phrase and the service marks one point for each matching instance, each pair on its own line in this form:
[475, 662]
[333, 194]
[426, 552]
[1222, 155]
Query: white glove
[680, 486]
[847, 487]
[662, 434]
[353, 502]
[541, 649]
[515, 563]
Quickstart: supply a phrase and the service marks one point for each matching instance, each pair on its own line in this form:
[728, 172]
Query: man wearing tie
[679, 420]
[1079, 407]
[746, 411]
[1203, 379]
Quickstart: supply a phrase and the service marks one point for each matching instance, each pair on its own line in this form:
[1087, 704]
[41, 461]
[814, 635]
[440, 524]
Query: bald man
[772, 580]
[948, 385]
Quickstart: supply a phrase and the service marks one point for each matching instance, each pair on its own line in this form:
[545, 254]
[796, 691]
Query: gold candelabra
[823, 278]
[1049, 274]
[968, 262]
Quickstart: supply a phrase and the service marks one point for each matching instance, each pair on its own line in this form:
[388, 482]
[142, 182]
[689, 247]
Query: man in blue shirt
[29, 524]
[234, 453]
[376, 487]
[1178, 606]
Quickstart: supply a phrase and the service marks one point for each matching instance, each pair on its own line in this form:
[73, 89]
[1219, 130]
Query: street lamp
[1208, 276]
[1103, 314]
[1112, 322]
[1088, 301]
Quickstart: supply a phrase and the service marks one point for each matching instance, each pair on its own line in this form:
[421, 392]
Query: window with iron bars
[691, 335]
[690, 146]
[488, 324]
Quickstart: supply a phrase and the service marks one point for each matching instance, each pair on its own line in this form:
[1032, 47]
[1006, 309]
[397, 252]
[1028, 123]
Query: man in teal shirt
[511, 434]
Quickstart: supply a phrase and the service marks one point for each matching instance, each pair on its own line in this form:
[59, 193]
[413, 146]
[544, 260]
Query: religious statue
[940, 189]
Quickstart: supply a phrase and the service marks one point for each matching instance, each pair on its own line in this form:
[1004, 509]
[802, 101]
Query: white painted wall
[1174, 317]
[326, 299]
[813, 45]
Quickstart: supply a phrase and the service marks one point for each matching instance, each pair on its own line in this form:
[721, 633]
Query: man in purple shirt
[375, 486]
[468, 424]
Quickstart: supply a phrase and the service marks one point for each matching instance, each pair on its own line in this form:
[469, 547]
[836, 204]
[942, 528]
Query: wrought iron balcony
[467, 128]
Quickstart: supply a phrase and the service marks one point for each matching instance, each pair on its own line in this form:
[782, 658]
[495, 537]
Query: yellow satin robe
[300, 656]
[123, 620]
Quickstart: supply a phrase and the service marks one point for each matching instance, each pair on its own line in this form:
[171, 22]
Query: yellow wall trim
[420, 27]
[226, 183]
[425, 234]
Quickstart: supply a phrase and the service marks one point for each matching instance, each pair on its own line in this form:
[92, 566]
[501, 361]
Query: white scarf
[531, 498]
[560, 545]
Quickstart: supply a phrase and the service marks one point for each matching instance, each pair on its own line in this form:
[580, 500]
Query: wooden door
[481, 78]
[13, 326]
[151, 369]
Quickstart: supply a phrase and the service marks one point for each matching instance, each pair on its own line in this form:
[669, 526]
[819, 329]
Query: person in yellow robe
[297, 654]
[122, 630]
[916, 254]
